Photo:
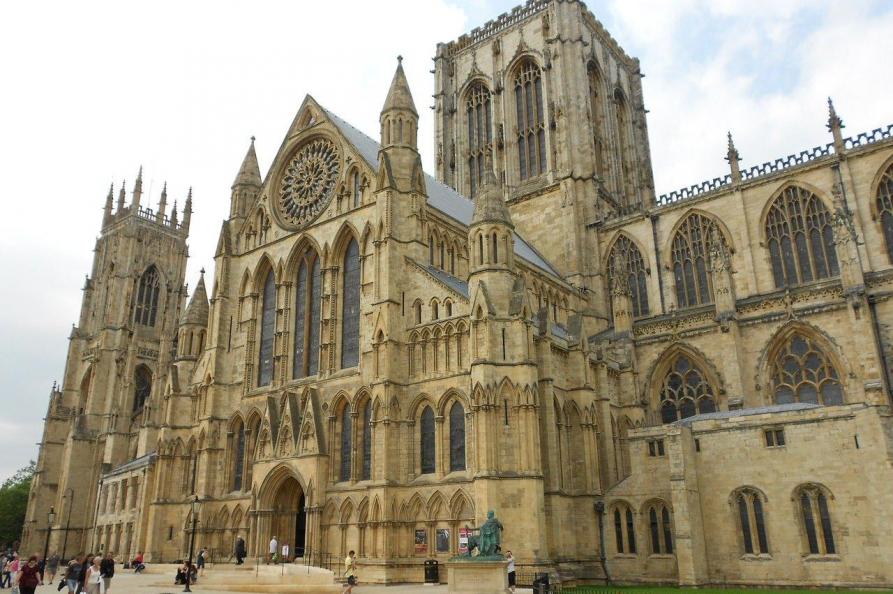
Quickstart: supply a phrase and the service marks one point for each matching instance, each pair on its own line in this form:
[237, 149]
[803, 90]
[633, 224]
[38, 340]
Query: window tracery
[685, 391]
[802, 372]
[626, 260]
[884, 200]
[350, 325]
[530, 120]
[267, 332]
[478, 116]
[691, 261]
[751, 522]
[800, 238]
[308, 182]
[816, 518]
[145, 307]
[307, 323]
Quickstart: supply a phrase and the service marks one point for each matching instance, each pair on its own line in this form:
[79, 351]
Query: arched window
[597, 117]
[417, 312]
[307, 304]
[478, 116]
[267, 332]
[816, 520]
[426, 434]
[145, 306]
[660, 529]
[626, 260]
[624, 148]
[367, 441]
[457, 437]
[142, 381]
[801, 372]
[530, 120]
[685, 391]
[801, 239]
[346, 443]
[691, 261]
[449, 309]
[350, 319]
[751, 522]
[885, 208]
[238, 456]
[624, 530]
[356, 189]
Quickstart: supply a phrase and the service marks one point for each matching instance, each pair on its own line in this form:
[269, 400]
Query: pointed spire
[733, 158]
[162, 204]
[173, 215]
[187, 211]
[835, 125]
[107, 211]
[138, 188]
[490, 204]
[249, 172]
[197, 310]
[399, 95]
[121, 195]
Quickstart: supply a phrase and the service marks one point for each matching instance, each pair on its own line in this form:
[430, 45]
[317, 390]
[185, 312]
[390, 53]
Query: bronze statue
[491, 536]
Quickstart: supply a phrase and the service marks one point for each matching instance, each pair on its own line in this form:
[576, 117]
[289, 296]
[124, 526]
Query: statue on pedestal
[487, 541]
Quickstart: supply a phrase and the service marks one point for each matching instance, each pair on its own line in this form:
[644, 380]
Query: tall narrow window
[426, 434]
[530, 120]
[691, 262]
[816, 519]
[597, 117]
[685, 391]
[367, 441]
[751, 522]
[660, 530]
[801, 239]
[655, 531]
[346, 444]
[142, 381]
[618, 531]
[267, 332]
[145, 306]
[801, 372]
[625, 260]
[238, 456]
[667, 530]
[885, 208]
[457, 437]
[478, 116]
[630, 531]
[306, 354]
[350, 320]
[625, 160]
[357, 189]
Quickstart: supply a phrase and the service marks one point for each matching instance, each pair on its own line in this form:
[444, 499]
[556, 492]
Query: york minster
[690, 388]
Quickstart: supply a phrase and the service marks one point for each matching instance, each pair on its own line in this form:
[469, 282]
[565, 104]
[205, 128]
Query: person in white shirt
[511, 568]
[274, 547]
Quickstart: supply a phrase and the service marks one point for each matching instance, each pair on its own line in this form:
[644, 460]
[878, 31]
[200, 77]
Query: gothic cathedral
[691, 388]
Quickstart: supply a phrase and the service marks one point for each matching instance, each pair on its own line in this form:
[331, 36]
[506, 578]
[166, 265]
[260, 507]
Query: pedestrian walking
[107, 568]
[93, 578]
[52, 568]
[200, 560]
[274, 548]
[240, 551]
[350, 569]
[73, 574]
[28, 576]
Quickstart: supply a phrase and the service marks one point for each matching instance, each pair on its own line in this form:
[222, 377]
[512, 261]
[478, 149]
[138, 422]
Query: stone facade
[699, 380]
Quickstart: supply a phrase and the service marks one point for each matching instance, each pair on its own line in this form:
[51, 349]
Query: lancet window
[885, 208]
[816, 518]
[624, 530]
[142, 381]
[238, 456]
[749, 506]
[426, 435]
[367, 441]
[801, 238]
[660, 529]
[145, 306]
[597, 116]
[625, 263]
[802, 372]
[350, 325]
[691, 261]
[457, 437]
[530, 120]
[267, 331]
[346, 444]
[478, 116]
[685, 391]
[307, 306]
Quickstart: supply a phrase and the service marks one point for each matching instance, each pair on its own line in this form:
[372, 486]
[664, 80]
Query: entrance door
[288, 521]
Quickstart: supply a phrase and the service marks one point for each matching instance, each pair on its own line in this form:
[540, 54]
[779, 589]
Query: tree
[13, 503]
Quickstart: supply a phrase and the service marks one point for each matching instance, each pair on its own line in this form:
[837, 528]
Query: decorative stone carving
[308, 182]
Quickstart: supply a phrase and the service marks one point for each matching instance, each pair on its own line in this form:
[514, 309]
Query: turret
[245, 187]
[162, 205]
[400, 167]
[187, 212]
[107, 211]
[121, 196]
[138, 190]
[734, 159]
[835, 126]
[194, 323]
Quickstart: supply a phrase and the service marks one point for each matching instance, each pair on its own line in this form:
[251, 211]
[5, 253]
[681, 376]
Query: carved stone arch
[479, 395]
[657, 502]
[460, 502]
[363, 510]
[245, 285]
[341, 399]
[418, 404]
[274, 479]
[821, 487]
[733, 496]
[508, 389]
[662, 361]
[682, 382]
[236, 517]
[800, 184]
[714, 219]
[328, 512]
[448, 397]
[413, 508]
[347, 233]
[305, 243]
[609, 248]
[523, 55]
[436, 506]
[475, 77]
[376, 510]
[829, 346]
[264, 266]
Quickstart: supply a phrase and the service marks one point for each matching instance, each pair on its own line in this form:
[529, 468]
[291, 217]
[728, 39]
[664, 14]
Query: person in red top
[28, 577]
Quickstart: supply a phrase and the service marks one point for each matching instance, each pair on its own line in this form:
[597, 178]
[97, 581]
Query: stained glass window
[685, 391]
[530, 120]
[306, 354]
[367, 441]
[142, 387]
[350, 324]
[618, 530]
[267, 332]
[885, 208]
[346, 443]
[668, 531]
[239, 457]
[427, 440]
[478, 116]
[691, 261]
[751, 521]
[457, 437]
[630, 531]
[145, 306]
[626, 260]
[801, 372]
[801, 239]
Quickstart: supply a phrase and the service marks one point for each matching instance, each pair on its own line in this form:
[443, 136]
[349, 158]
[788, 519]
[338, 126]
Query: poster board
[442, 542]
[464, 533]
[421, 541]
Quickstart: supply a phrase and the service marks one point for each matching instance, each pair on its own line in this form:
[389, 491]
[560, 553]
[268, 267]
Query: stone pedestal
[473, 577]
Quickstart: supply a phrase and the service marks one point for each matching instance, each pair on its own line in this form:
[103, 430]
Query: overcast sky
[93, 90]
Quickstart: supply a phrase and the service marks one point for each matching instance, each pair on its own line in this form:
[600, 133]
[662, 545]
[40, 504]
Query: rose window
[308, 182]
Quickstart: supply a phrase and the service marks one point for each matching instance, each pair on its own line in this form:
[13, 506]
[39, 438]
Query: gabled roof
[440, 197]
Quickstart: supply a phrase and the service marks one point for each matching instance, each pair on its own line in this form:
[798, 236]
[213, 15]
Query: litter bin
[432, 572]
[541, 583]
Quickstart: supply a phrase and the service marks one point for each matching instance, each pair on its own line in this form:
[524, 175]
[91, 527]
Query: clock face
[308, 182]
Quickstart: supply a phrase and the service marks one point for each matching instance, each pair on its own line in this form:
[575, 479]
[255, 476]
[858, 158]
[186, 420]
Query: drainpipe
[600, 510]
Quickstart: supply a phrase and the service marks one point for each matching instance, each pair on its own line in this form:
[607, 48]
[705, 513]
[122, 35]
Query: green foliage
[13, 503]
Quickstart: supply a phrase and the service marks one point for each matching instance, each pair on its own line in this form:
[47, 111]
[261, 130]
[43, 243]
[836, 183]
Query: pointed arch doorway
[288, 521]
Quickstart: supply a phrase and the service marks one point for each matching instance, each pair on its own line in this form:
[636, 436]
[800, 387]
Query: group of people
[24, 576]
[89, 573]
